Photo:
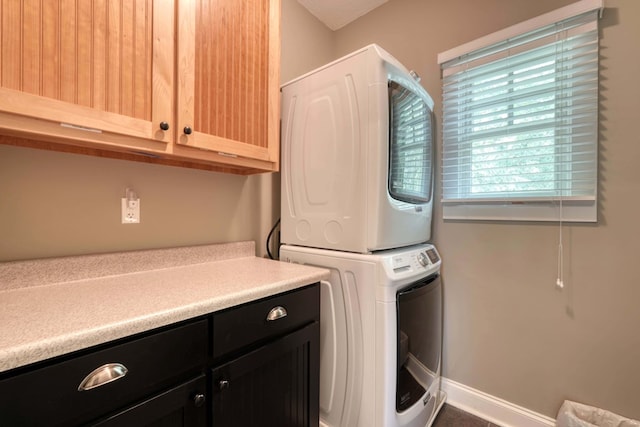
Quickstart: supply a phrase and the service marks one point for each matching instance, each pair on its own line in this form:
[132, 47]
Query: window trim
[574, 9]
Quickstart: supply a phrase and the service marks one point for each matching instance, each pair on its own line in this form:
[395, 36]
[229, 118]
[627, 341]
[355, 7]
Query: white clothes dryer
[357, 156]
[380, 335]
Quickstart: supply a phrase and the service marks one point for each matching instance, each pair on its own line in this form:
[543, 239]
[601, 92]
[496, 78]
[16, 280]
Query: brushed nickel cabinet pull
[199, 400]
[103, 375]
[276, 313]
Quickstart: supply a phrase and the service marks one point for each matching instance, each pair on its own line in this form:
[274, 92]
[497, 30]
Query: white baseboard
[492, 408]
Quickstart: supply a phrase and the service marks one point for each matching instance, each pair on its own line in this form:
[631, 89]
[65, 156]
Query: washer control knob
[422, 259]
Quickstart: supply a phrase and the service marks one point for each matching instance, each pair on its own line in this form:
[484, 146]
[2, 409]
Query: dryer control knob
[422, 259]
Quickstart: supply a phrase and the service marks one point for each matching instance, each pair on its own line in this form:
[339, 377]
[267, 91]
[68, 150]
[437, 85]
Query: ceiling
[336, 14]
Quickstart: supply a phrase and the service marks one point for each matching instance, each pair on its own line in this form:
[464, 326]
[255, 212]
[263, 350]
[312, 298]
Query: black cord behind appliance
[269, 240]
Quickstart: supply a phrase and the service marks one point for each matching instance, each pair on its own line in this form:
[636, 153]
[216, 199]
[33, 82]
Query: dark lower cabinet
[256, 364]
[181, 406]
[273, 385]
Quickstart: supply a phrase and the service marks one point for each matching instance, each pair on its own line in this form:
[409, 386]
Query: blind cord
[559, 44]
[559, 280]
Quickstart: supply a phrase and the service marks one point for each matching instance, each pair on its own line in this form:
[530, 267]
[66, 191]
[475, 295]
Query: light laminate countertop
[53, 307]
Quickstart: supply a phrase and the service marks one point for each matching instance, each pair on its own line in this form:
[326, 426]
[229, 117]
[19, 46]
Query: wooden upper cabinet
[109, 75]
[228, 78]
[104, 66]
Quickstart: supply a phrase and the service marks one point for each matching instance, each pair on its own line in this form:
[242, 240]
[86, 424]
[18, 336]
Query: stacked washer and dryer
[357, 184]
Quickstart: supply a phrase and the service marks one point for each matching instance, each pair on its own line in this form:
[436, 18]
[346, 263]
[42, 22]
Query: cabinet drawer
[248, 324]
[50, 396]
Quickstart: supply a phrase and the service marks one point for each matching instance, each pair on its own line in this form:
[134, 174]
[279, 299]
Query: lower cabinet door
[181, 406]
[274, 385]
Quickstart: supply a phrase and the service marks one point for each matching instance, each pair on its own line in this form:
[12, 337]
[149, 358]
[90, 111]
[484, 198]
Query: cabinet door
[228, 80]
[88, 70]
[275, 385]
[181, 406]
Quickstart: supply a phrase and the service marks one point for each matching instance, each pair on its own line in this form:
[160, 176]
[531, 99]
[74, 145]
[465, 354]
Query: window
[520, 112]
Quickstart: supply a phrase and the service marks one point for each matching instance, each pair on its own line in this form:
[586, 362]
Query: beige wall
[508, 331]
[56, 204]
[306, 42]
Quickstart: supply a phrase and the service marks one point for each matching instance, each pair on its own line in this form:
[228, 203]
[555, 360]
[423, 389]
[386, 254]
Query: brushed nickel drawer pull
[103, 375]
[276, 313]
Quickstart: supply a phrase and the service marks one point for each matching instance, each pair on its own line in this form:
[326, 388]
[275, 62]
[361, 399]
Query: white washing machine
[380, 335]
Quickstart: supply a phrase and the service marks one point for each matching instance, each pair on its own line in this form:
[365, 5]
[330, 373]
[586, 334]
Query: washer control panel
[412, 260]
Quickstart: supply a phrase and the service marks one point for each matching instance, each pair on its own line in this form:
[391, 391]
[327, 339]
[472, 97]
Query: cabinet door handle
[276, 313]
[198, 400]
[164, 125]
[222, 384]
[103, 375]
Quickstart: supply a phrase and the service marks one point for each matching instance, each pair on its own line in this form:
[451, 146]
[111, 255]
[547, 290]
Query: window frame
[544, 208]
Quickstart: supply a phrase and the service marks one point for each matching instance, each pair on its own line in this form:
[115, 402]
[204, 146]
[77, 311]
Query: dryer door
[410, 146]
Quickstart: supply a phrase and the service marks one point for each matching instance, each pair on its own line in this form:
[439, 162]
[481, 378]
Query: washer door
[419, 310]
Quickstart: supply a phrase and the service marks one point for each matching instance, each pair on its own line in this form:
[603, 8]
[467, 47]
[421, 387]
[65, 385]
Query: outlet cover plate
[130, 211]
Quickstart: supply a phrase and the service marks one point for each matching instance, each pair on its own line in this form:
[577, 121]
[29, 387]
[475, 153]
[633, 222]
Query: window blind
[520, 118]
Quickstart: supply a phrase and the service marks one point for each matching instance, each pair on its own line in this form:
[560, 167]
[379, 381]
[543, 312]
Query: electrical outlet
[130, 211]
